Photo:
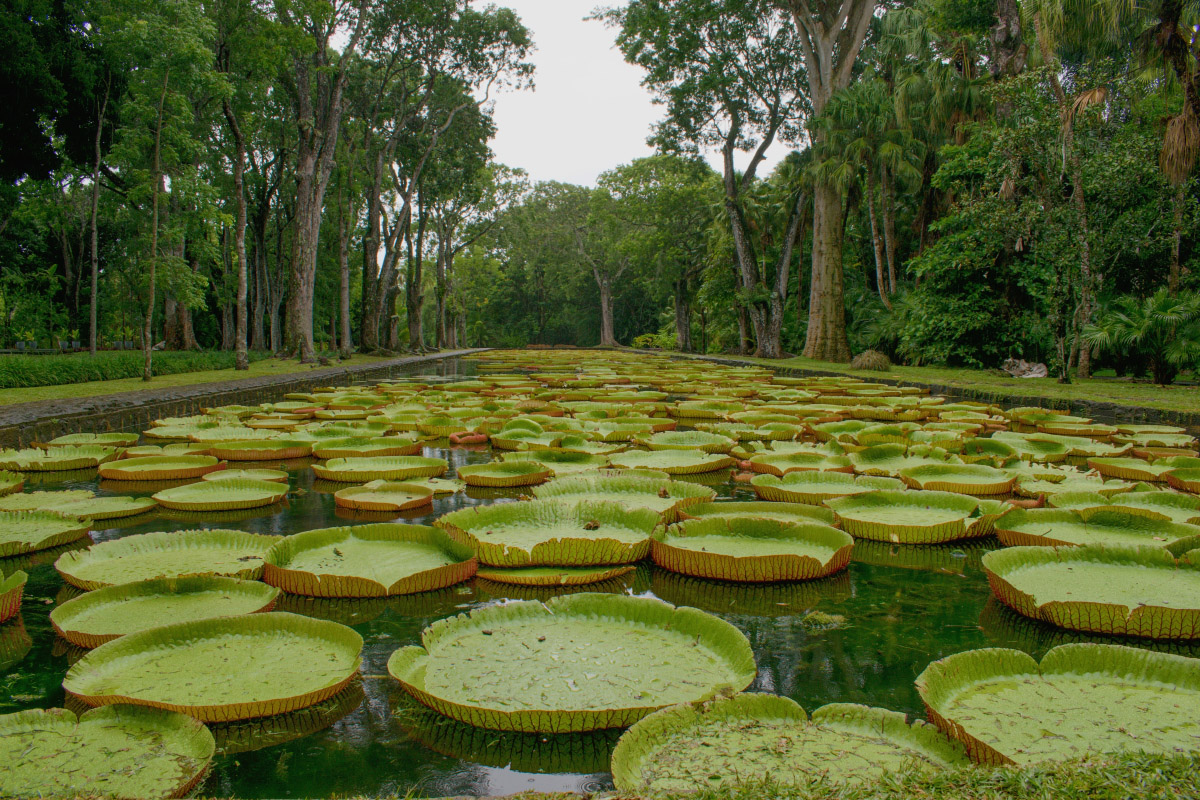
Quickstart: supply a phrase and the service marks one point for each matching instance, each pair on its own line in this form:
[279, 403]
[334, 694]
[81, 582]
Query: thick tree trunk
[370, 323]
[241, 356]
[148, 327]
[683, 317]
[228, 333]
[607, 339]
[344, 343]
[414, 298]
[826, 339]
[1175, 270]
[441, 335]
[877, 242]
[94, 300]
[743, 331]
[1007, 53]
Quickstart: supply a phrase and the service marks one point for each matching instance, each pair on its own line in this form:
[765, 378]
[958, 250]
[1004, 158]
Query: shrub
[872, 360]
[1162, 330]
[23, 372]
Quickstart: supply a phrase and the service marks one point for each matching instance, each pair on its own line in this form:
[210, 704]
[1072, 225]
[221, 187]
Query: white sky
[588, 111]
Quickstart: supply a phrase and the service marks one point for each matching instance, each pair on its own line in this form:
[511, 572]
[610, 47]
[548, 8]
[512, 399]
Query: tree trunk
[440, 336]
[344, 343]
[148, 327]
[683, 317]
[743, 331]
[1007, 53]
[228, 334]
[877, 242]
[606, 310]
[888, 204]
[826, 339]
[94, 300]
[1174, 274]
[242, 356]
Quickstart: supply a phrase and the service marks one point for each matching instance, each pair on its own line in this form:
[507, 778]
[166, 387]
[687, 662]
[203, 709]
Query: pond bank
[39, 421]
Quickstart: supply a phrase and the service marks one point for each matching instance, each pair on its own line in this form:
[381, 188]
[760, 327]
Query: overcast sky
[588, 112]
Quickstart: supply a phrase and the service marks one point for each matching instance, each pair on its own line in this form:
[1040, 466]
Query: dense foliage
[969, 181]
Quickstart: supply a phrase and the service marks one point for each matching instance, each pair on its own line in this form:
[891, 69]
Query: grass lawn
[1105, 390]
[258, 369]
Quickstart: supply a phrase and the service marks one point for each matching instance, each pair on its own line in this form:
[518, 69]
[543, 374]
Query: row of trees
[274, 165]
[968, 180]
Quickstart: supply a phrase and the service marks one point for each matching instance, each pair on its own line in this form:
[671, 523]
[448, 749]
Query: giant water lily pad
[557, 532]
[751, 550]
[814, 488]
[504, 474]
[166, 555]
[1054, 527]
[978, 480]
[160, 468]
[57, 459]
[1082, 699]
[672, 462]
[784, 512]
[388, 468]
[889, 459]
[1128, 591]
[261, 449]
[11, 482]
[102, 439]
[222, 495]
[780, 464]
[353, 447]
[560, 462]
[119, 751]
[576, 663]
[631, 489]
[276, 475]
[688, 440]
[12, 588]
[218, 670]
[1129, 469]
[911, 517]
[105, 614]
[79, 503]
[368, 561]
[28, 531]
[752, 738]
[1160, 505]
[384, 496]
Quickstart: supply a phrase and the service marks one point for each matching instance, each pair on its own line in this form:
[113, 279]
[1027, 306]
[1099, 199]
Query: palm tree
[1163, 329]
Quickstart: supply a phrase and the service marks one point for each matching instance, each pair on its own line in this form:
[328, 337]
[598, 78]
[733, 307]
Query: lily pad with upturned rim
[378, 560]
[252, 666]
[560, 462]
[780, 464]
[261, 450]
[119, 751]
[579, 662]
[363, 447]
[672, 462]
[1129, 469]
[166, 555]
[688, 440]
[630, 489]
[222, 495]
[1054, 527]
[751, 738]
[384, 496]
[160, 468]
[11, 482]
[29, 531]
[58, 459]
[1082, 699]
[923, 517]
[814, 488]
[12, 589]
[276, 475]
[977, 480]
[1121, 590]
[388, 468]
[105, 614]
[102, 439]
[553, 532]
[785, 512]
[503, 474]
[751, 550]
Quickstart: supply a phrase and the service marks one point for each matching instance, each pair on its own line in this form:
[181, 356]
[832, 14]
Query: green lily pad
[1159, 505]
[118, 751]
[751, 738]
[977, 480]
[888, 459]
[368, 561]
[105, 614]
[218, 670]
[560, 462]
[557, 532]
[504, 474]
[166, 555]
[276, 475]
[28, 531]
[1122, 590]
[577, 663]
[11, 482]
[57, 459]
[630, 489]
[1032, 486]
[384, 496]
[688, 440]
[751, 550]
[43, 501]
[814, 488]
[785, 512]
[1055, 527]
[554, 576]
[911, 517]
[365, 447]
[229, 495]
[11, 590]
[388, 468]
[1129, 469]
[102, 439]
[440, 486]
[261, 449]
[160, 468]
[780, 464]
[1082, 699]
[672, 462]
[1183, 479]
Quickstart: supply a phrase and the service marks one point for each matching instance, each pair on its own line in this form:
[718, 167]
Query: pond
[882, 621]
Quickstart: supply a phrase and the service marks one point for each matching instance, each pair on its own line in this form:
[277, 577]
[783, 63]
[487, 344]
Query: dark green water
[902, 608]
